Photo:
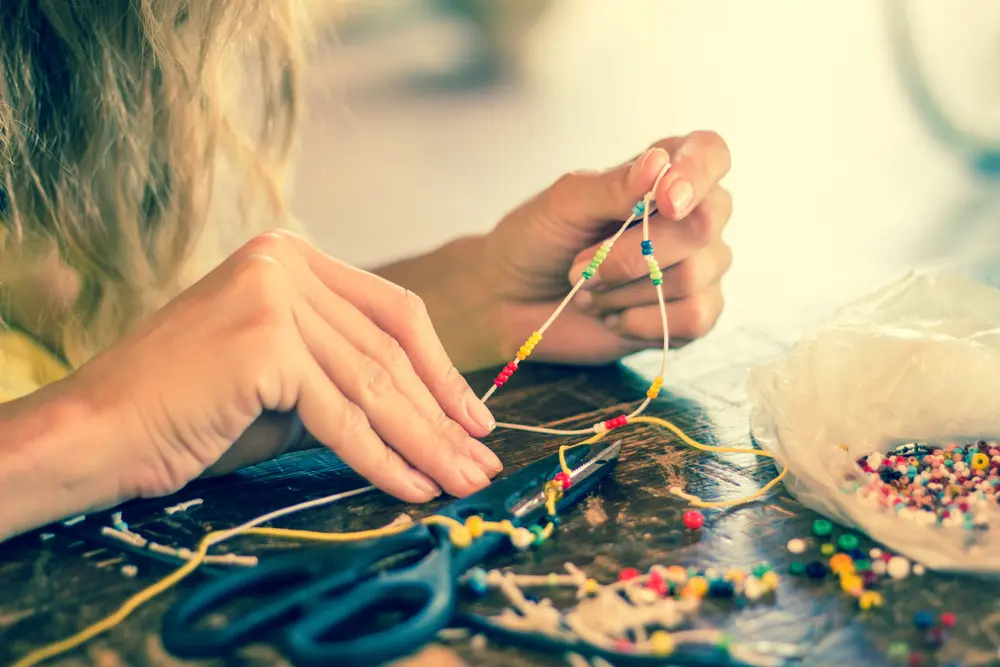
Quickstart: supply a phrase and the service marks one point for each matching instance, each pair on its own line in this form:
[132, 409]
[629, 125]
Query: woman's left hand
[537, 253]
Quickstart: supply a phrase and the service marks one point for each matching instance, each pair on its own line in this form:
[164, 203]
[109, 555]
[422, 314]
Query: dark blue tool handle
[423, 594]
[305, 580]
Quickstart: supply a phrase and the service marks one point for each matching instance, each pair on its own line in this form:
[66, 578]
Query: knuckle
[450, 431]
[705, 313]
[623, 266]
[393, 356]
[685, 277]
[354, 422]
[375, 380]
[725, 258]
[272, 243]
[264, 282]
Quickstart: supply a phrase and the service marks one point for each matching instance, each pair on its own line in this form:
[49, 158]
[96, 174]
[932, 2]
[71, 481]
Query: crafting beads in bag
[914, 365]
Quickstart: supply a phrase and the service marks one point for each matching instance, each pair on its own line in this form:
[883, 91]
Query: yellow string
[694, 500]
[459, 533]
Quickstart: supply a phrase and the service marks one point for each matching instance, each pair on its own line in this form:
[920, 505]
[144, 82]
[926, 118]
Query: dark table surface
[54, 588]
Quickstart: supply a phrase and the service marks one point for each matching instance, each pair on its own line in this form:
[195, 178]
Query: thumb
[593, 198]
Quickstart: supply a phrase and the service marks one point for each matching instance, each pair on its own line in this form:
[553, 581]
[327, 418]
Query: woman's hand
[491, 292]
[541, 249]
[282, 327]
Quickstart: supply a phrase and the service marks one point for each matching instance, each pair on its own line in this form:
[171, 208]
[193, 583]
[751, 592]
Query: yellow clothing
[25, 365]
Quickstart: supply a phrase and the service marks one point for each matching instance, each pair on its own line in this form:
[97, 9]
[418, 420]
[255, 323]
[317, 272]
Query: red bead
[887, 557]
[693, 519]
[498, 383]
[656, 584]
[563, 480]
[628, 573]
[915, 660]
[623, 645]
[512, 367]
[948, 619]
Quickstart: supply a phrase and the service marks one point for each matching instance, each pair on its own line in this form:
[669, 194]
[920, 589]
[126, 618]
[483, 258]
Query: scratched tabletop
[55, 587]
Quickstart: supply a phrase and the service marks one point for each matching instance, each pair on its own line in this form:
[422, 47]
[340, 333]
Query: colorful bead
[539, 534]
[696, 587]
[852, 584]
[460, 536]
[693, 519]
[647, 247]
[563, 480]
[477, 580]
[720, 588]
[657, 584]
[847, 542]
[898, 650]
[590, 586]
[816, 570]
[827, 549]
[661, 643]
[898, 567]
[770, 580]
[822, 527]
[627, 574]
[475, 525]
[615, 422]
[797, 567]
[760, 569]
[796, 546]
[654, 389]
[639, 208]
[923, 620]
[869, 599]
[948, 619]
[841, 563]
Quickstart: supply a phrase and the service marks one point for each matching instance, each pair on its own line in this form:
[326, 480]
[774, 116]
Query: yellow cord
[461, 534]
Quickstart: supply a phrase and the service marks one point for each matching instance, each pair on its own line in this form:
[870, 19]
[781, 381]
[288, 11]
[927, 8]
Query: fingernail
[424, 485]
[487, 460]
[472, 473]
[577, 272]
[481, 414]
[681, 194]
[612, 321]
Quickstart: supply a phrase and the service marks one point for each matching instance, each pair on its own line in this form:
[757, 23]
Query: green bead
[797, 567]
[761, 569]
[847, 542]
[601, 254]
[588, 274]
[657, 281]
[898, 650]
[862, 565]
[822, 527]
[537, 531]
[594, 264]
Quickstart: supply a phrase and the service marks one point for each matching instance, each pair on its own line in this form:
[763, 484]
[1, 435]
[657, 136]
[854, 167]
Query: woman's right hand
[280, 326]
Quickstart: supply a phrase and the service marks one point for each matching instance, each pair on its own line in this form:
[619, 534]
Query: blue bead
[720, 588]
[553, 519]
[923, 620]
[477, 580]
[639, 208]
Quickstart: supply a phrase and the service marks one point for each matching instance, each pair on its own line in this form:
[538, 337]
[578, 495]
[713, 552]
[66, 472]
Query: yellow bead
[770, 580]
[676, 574]
[735, 575]
[841, 563]
[870, 599]
[521, 356]
[827, 549]
[475, 526]
[460, 536]
[980, 461]
[852, 584]
[652, 393]
[697, 587]
[661, 643]
[590, 586]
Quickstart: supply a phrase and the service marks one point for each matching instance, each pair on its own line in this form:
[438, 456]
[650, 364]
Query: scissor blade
[596, 458]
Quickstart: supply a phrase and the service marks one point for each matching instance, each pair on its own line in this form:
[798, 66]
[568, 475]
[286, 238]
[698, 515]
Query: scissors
[325, 603]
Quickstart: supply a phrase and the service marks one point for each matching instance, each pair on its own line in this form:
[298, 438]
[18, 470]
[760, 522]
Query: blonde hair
[118, 121]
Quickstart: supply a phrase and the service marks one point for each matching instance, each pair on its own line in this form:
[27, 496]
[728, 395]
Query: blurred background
[861, 131]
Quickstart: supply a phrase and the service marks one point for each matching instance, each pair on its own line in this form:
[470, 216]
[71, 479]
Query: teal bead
[639, 209]
[847, 542]
[797, 568]
[537, 531]
[761, 569]
[822, 527]
[588, 274]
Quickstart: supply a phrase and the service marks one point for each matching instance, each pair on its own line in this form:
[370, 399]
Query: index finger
[698, 161]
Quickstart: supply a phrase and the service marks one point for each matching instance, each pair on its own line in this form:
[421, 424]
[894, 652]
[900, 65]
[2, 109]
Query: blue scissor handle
[307, 581]
[423, 594]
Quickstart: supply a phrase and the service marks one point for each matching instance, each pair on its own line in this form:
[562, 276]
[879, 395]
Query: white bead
[752, 588]
[796, 546]
[879, 567]
[898, 568]
[875, 553]
[919, 570]
[522, 539]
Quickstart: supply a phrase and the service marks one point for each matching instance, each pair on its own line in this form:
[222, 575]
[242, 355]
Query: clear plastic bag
[917, 360]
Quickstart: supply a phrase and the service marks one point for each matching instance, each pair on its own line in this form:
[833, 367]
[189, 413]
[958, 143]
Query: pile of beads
[948, 486]
[638, 614]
